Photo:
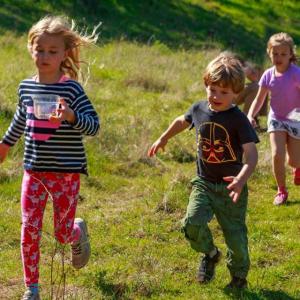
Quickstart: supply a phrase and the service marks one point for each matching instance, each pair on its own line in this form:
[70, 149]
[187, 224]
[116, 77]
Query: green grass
[134, 204]
[244, 26]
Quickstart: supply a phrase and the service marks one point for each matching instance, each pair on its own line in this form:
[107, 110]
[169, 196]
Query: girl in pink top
[282, 82]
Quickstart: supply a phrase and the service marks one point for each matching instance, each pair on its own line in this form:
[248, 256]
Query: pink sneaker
[81, 250]
[281, 198]
[296, 172]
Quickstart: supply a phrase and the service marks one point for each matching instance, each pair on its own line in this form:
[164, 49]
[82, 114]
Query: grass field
[146, 70]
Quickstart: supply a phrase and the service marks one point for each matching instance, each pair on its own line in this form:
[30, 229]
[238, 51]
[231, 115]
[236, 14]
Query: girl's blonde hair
[59, 25]
[282, 38]
[226, 71]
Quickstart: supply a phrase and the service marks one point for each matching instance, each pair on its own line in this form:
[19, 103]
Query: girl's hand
[3, 151]
[63, 113]
[160, 143]
[235, 187]
[252, 121]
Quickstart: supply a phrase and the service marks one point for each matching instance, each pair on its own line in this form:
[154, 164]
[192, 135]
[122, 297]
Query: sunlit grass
[133, 204]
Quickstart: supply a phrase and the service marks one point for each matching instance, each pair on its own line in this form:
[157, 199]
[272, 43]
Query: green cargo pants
[206, 200]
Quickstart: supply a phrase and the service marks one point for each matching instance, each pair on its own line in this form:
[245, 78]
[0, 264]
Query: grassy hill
[146, 70]
[243, 26]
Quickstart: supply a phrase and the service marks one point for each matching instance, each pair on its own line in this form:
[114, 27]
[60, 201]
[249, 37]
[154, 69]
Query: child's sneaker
[296, 172]
[237, 283]
[81, 250]
[29, 295]
[281, 198]
[207, 267]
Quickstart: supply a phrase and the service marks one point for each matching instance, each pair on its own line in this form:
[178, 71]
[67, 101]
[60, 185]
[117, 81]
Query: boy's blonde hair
[225, 71]
[282, 38]
[59, 25]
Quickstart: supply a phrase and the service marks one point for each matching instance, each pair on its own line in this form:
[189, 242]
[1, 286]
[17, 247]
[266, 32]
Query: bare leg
[278, 140]
[293, 147]
[293, 150]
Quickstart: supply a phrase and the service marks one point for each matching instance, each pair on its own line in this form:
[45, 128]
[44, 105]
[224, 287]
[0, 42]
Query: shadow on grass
[109, 289]
[292, 202]
[177, 23]
[262, 294]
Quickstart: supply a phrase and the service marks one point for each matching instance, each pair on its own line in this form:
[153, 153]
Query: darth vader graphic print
[220, 137]
[214, 143]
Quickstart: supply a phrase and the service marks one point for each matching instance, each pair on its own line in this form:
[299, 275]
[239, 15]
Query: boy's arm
[178, 125]
[237, 182]
[257, 104]
[250, 161]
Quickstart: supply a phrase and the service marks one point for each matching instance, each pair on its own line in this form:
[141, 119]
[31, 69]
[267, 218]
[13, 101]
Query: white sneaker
[29, 295]
[81, 250]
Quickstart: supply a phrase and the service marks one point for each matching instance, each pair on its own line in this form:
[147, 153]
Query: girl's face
[280, 56]
[48, 52]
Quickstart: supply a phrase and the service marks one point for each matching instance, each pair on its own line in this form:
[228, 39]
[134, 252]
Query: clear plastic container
[45, 105]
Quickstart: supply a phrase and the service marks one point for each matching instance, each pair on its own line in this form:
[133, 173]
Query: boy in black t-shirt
[224, 137]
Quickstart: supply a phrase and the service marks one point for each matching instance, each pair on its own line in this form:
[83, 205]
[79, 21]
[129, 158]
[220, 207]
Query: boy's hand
[63, 113]
[160, 143]
[235, 187]
[3, 151]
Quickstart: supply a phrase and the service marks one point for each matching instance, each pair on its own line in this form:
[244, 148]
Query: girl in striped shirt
[54, 155]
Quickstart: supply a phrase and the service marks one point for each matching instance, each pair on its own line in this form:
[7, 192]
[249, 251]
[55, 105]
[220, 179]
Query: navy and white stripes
[53, 147]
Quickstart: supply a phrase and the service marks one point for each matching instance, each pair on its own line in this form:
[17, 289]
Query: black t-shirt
[220, 136]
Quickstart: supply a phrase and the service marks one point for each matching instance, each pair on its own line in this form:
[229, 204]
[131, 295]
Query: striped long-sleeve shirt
[53, 147]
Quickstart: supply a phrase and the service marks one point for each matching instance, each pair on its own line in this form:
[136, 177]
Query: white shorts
[292, 128]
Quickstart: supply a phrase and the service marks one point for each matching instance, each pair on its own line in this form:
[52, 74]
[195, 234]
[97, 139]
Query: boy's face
[219, 98]
[252, 74]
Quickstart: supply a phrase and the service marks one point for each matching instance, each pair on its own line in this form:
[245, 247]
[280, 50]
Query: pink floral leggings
[63, 189]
